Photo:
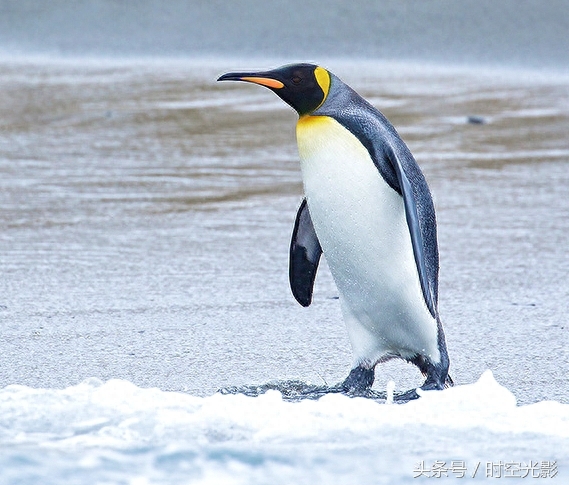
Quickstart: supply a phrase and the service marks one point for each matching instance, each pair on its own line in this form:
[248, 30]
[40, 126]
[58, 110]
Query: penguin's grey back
[383, 142]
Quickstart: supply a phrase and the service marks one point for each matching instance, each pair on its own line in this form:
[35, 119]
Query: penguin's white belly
[361, 225]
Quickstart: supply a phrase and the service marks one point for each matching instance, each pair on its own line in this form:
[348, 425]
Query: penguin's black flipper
[305, 252]
[412, 216]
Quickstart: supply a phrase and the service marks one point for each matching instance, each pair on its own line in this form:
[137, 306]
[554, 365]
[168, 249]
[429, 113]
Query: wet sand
[146, 214]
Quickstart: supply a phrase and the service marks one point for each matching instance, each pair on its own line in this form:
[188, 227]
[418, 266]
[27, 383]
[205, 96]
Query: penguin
[367, 207]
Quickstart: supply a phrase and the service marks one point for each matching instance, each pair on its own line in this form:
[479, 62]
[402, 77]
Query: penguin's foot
[359, 381]
[357, 384]
[437, 376]
[429, 385]
[406, 396]
[412, 394]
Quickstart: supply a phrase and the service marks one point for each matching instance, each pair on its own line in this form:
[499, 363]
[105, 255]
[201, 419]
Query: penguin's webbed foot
[406, 396]
[429, 385]
[412, 394]
[359, 381]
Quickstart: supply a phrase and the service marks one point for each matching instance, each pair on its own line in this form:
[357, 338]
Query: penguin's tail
[449, 382]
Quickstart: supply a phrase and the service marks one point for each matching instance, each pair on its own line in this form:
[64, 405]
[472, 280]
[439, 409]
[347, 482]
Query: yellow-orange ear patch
[264, 81]
[323, 79]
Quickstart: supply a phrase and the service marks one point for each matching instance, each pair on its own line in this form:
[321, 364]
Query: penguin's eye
[296, 80]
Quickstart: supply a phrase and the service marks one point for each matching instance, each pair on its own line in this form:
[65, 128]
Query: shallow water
[146, 214]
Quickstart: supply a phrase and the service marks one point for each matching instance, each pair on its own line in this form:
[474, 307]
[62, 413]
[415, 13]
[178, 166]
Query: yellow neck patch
[323, 79]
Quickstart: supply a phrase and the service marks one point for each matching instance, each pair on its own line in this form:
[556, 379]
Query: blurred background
[522, 33]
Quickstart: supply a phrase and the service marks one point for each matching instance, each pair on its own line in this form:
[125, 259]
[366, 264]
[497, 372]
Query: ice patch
[120, 433]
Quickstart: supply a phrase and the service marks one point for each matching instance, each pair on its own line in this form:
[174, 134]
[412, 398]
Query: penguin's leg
[359, 380]
[436, 373]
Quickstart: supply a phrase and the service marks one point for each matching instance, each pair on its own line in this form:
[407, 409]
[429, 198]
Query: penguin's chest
[360, 220]
[360, 223]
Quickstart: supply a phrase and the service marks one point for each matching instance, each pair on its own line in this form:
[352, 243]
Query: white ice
[116, 432]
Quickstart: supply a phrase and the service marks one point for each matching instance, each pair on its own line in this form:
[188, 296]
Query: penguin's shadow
[295, 391]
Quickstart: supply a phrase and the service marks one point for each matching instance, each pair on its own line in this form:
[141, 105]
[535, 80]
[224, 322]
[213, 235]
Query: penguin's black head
[302, 86]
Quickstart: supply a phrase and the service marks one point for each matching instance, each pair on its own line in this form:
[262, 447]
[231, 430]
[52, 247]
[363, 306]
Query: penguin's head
[302, 86]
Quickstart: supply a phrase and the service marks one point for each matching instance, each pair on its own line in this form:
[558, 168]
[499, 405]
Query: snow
[116, 432]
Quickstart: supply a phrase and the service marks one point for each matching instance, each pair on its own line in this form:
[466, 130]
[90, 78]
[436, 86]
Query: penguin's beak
[254, 77]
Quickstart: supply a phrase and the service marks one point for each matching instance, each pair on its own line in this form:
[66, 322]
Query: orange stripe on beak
[264, 81]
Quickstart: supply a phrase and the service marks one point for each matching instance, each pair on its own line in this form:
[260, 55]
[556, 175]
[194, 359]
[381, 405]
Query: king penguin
[368, 208]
